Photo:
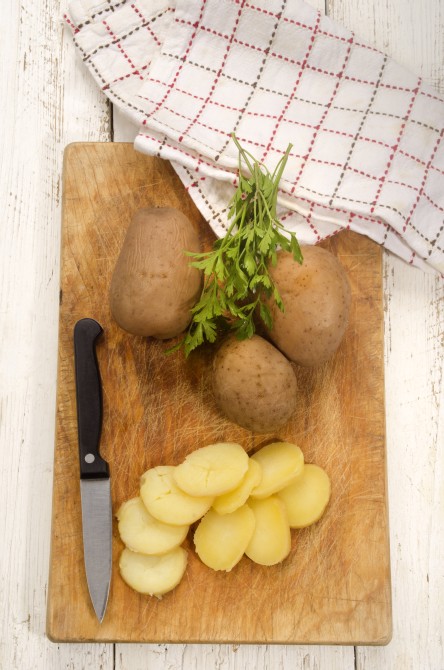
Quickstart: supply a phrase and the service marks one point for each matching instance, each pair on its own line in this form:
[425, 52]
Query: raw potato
[166, 502]
[212, 470]
[153, 575]
[306, 498]
[281, 463]
[254, 385]
[316, 296]
[231, 501]
[221, 540]
[271, 539]
[142, 533]
[153, 287]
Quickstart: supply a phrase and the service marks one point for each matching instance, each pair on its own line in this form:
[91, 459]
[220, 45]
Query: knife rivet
[90, 458]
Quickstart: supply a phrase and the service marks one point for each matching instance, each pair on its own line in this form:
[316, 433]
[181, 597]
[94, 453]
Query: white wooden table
[48, 100]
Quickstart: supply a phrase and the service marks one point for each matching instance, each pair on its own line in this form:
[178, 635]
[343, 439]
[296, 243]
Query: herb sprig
[236, 270]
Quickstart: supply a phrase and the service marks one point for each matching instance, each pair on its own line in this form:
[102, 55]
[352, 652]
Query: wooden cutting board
[335, 586]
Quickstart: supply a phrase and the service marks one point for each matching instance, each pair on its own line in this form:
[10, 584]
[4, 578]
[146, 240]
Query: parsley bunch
[236, 275]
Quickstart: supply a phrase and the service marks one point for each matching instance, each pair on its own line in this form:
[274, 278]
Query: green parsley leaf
[236, 270]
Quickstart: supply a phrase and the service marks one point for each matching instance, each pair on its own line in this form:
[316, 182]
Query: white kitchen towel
[367, 134]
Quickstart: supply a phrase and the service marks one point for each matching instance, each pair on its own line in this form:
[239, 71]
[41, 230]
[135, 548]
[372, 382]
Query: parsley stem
[236, 270]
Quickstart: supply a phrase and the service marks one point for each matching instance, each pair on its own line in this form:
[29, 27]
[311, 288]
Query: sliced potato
[229, 502]
[307, 497]
[271, 539]
[221, 539]
[281, 462]
[141, 532]
[166, 502]
[153, 575]
[212, 470]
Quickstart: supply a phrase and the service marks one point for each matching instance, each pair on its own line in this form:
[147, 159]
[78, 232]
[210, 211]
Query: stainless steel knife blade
[94, 471]
[97, 540]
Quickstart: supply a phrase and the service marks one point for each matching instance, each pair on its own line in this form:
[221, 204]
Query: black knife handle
[89, 399]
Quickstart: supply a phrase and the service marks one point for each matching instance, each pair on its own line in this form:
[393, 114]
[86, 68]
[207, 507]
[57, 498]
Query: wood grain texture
[335, 588]
[47, 99]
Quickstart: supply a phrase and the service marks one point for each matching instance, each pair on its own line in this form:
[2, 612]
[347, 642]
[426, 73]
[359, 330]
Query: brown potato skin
[316, 297]
[254, 385]
[153, 287]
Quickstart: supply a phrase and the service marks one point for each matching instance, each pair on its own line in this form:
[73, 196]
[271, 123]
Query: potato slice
[166, 502]
[221, 539]
[212, 470]
[153, 575]
[281, 462]
[271, 539]
[229, 502]
[142, 533]
[307, 497]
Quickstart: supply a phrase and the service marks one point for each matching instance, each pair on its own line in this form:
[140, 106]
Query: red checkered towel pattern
[367, 134]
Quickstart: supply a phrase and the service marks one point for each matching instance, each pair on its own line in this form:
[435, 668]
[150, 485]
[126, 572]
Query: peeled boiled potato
[212, 470]
[246, 505]
[281, 462]
[153, 575]
[307, 497]
[166, 502]
[231, 501]
[221, 539]
[271, 539]
[141, 532]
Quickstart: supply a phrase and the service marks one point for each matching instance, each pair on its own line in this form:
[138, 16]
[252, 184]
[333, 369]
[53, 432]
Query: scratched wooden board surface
[335, 586]
[48, 100]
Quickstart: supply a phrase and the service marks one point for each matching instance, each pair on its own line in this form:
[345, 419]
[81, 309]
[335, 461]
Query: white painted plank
[412, 33]
[415, 453]
[46, 102]
[230, 657]
[409, 31]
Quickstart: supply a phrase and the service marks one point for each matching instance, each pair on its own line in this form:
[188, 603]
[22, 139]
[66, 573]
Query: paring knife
[94, 472]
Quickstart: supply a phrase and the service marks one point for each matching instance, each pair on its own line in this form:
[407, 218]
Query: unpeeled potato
[281, 462]
[212, 470]
[153, 575]
[271, 539]
[254, 385]
[167, 502]
[229, 502]
[142, 533]
[316, 297]
[153, 286]
[221, 539]
[307, 497]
